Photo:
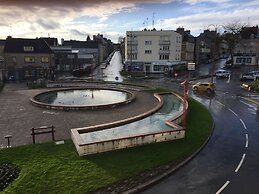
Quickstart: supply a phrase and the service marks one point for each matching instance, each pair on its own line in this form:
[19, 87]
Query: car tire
[209, 90]
[195, 89]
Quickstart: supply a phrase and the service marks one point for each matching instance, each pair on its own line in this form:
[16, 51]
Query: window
[148, 42]
[44, 59]
[164, 57]
[132, 57]
[28, 48]
[148, 52]
[164, 47]
[156, 67]
[238, 60]
[248, 60]
[29, 59]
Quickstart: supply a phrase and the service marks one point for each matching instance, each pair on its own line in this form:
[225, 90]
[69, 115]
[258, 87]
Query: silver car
[221, 73]
[252, 75]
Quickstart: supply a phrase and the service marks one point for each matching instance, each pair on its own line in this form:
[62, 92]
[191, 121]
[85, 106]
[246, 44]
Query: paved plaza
[18, 115]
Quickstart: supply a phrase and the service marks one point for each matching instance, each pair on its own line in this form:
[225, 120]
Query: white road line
[251, 106]
[246, 140]
[232, 111]
[240, 163]
[223, 187]
[220, 103]
[243, 123]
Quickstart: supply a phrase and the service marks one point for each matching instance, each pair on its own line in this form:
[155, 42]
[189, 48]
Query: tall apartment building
[152, 51]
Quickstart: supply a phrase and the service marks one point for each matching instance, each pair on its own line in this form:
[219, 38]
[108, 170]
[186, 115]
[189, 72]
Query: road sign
[191, 67]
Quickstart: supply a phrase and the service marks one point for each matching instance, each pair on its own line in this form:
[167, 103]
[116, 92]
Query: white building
[152, 51]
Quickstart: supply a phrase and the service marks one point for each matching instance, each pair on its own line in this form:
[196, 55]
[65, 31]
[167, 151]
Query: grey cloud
[78, 33]
[74, 3]
[47, 24]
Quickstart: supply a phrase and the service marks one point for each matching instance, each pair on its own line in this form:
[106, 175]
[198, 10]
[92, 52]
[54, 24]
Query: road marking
[220, 103]
[240, 163]
[223, 187]
[246, 140]
[251, 100]
[232, 111]
[251, 106]
[243, 123]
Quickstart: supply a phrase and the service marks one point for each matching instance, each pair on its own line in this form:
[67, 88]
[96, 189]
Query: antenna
[153, 21]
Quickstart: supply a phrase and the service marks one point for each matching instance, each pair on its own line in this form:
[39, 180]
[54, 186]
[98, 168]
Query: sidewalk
[18, 115]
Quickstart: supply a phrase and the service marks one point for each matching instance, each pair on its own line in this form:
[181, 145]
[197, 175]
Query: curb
[154, 181]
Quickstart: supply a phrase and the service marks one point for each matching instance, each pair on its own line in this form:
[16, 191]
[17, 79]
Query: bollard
[33, 135]
[52, 132]
[8, 137]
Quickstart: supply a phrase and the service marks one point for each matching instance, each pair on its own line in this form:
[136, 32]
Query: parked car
[221, 73]
[204, 86]
[252, 75]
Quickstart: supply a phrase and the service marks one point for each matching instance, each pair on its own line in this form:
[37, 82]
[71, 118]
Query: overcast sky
[75, 19]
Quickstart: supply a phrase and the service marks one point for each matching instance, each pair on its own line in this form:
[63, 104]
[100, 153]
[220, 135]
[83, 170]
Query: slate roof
[2, 42]
[50, 41]
[81, 44]
[16, 45]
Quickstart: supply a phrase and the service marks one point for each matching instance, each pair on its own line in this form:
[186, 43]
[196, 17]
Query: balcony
[133, 42]
[164, 51]
[164, 42]
[135, 51]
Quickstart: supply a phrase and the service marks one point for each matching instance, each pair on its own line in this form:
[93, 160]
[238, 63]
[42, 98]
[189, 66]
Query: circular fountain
[83, 98]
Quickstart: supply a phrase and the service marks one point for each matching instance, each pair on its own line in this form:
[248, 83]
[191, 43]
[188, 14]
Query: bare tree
[232, 36]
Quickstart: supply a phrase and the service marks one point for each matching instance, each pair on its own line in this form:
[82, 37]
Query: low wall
[83, 148]
[97, 147]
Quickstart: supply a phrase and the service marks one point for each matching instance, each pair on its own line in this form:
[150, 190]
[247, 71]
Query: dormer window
[28, 48]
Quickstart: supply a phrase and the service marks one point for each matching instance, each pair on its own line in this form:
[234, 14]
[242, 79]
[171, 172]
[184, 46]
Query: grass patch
[48, 168]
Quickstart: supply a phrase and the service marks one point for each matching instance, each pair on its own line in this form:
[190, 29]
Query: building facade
[152, 51]
[246, 51]
[188, 45]
[205, 47]
[28, 59]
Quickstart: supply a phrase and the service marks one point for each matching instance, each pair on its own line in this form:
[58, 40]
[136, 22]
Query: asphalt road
[229, 162]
